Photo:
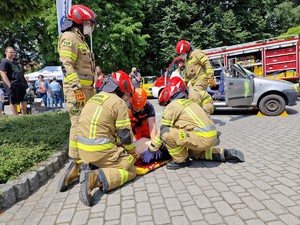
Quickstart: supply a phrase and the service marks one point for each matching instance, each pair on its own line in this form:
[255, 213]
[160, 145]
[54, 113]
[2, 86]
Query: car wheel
[272, 105]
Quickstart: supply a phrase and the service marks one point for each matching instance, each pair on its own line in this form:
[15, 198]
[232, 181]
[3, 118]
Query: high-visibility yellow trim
[94, 122]
[176, 151]
[194, 116]
[99, 98]
[69, 54]
[124, 176]
[190, 61]
[204, 101]
[71, 76]
[86, 82]
[78, 161]
[206, 133]
[209, 153]
[210, 70]
[129, 147]
[157, 141]
[122, 123]
[95, 148]
[203, 60]
[168, 123]
[72, 144]
[185, 102]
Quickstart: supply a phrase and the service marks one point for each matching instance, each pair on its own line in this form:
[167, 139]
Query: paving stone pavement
[263, 190]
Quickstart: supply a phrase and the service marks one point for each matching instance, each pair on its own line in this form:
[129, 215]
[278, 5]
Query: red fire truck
[275, 58]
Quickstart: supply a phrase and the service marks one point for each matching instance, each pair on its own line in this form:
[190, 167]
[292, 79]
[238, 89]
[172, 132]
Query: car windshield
[149, 80]
[249, 73]
[239, 72]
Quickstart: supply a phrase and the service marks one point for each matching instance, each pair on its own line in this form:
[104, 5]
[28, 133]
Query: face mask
[184, 56]
[87, 30]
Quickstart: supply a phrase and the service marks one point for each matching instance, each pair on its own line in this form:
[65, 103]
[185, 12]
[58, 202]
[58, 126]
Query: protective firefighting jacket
[184, 115]
[104, 123]
[197, 64]
[139, 121]
[202, 98]
[76, 57]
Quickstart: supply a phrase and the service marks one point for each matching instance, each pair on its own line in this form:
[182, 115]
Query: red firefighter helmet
[138, 99]
[79, 13]
[183, 47]
[178, 82]
[124, 82]
[165, 95]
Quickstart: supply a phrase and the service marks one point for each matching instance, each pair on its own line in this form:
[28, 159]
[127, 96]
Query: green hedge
[27, 140]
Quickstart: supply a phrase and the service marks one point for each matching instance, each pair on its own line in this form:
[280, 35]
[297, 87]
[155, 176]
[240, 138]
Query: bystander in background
[42, 87]
[12, 74]
[1, 100]
[99, 79]
[56, 92]
[49, 95]
[135, 77]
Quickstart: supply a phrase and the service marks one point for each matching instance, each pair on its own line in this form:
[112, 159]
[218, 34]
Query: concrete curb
[13, 191]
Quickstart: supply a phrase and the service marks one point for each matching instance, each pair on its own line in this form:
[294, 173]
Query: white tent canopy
[47, 72]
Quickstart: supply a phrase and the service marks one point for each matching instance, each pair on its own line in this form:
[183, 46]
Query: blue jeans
[43, 96]
[57, 98]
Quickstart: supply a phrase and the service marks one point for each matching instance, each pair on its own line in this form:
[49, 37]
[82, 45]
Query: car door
[238, 87]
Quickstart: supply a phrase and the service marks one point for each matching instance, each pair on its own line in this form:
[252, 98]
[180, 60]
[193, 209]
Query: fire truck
[275, 58]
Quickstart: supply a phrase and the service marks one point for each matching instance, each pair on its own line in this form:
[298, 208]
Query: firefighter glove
[148, 155]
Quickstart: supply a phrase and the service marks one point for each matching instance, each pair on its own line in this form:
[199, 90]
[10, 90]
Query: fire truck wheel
[272, 105]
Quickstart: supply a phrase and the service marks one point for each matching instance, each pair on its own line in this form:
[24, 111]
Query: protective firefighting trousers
[182, 144]
[116, 164]
[200, 82]
[74, 109]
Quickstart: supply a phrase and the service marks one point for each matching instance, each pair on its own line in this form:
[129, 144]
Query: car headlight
[295, 87]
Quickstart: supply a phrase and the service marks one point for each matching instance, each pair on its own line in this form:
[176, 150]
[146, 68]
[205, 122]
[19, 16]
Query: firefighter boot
[70, 175]
[89, 180]
[232, 154]
[174, 166]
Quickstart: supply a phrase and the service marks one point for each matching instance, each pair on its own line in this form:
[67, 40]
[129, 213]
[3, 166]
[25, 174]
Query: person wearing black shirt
[12, 74]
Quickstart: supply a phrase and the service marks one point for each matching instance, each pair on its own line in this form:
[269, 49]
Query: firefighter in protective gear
[198, 70]
[142, 119]
[179, 72]
[78, 66]
[105, 139]
[201, 97]
[187, 131]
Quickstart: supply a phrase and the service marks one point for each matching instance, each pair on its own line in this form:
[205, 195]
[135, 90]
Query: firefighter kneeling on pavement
[187, 132]
[105, 139]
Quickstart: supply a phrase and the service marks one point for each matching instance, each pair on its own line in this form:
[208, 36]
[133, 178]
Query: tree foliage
[19, 11]
[143, 33]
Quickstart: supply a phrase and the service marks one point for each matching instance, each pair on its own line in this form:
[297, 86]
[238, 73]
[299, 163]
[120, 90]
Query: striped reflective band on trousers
[175, 151]
[124, 176]
[94, 145]
[209, 154]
